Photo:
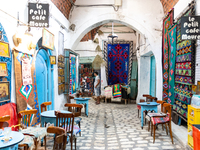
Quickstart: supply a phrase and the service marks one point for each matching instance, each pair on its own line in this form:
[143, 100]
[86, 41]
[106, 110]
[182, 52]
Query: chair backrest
[65, 120]
[167, 108]
[152, 99]
[3, 121]
[44, 105]
[146, 95]
[60, 139]
[74, 108]
[25, 116]
[161, 102]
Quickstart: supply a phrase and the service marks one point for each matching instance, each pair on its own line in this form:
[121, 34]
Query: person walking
[97, 87]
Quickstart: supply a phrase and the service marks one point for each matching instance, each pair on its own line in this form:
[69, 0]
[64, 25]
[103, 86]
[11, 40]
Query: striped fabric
[116, 90]
[158, 120]
[108, 92]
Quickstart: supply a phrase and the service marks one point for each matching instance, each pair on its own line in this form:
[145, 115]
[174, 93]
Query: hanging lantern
[112, 36]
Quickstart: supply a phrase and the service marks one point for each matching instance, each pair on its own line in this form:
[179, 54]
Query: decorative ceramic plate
[6, 140]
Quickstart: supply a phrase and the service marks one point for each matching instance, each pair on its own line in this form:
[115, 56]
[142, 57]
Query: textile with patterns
[185, 71]
[118, 57]
[167, 22]
[108, 92]
[172, 59]
[26, 96]
[157, 120]
[116, 90]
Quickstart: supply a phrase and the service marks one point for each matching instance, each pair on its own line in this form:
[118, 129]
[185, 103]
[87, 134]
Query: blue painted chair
[76, 109]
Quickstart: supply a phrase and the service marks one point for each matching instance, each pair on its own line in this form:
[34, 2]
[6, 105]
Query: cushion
[28, 140]
[77, 120]
[149, 115]
[139, 107]
[76, 129]
[158, 120]
[38, 132]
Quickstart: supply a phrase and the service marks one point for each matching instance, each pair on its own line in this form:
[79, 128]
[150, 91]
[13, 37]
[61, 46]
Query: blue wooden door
[153, 77]
[41, 78]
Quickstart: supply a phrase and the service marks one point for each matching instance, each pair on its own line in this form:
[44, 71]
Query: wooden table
[17, 137]
[82, 100]
[152, 106]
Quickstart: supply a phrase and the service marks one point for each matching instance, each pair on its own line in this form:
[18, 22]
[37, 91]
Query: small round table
[82, 100]
[152, 106]
[50, 117]
[17, 137]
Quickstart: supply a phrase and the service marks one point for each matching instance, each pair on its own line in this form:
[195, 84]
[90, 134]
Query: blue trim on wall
[45, 54]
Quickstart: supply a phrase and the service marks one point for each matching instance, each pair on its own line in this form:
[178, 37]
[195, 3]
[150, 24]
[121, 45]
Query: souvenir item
[4, 49]
[3, 69]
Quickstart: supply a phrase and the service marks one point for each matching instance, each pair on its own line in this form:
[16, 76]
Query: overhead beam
[106, 26]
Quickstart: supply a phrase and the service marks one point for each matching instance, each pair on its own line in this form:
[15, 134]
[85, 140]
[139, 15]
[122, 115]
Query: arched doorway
[44, 76]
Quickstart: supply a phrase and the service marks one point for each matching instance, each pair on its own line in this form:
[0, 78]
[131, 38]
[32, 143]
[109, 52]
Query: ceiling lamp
[112, 36]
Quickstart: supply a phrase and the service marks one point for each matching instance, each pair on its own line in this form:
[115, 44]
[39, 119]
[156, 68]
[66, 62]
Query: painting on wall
[3, 69]
[194, 89]
[47, 39]
[4, 91]
[52, 60]
[198, 87]
[4, 49]
[61, 72]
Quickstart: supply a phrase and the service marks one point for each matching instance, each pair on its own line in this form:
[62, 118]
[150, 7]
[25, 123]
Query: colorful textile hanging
[116, 90]
[172, 57]
[118, 63]
[185, 71]
[184, 76]
[72, 74]
[26, 96]
[167, 23]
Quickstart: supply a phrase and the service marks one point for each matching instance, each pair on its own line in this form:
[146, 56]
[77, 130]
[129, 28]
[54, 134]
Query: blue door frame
[43, 55]
[153, 76]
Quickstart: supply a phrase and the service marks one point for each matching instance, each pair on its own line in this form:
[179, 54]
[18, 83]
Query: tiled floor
[116, 127]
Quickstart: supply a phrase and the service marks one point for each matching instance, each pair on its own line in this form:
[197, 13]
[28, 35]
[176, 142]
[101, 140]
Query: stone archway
[152, 36]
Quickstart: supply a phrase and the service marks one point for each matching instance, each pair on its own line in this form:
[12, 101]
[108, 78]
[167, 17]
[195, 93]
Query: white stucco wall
[144, 16]
[10, 26]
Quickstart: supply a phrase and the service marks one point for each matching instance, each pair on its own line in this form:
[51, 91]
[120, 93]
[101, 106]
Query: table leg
[142, 117]
[87, 109]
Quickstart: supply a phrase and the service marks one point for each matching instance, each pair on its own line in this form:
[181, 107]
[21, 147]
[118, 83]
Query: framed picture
[60, 89]
[59, 79]
[4, 49]
[4, 91]
[194, 89]
[61, 58]
[3, 69]
[60, 43]
[47, 39]
[61, 65]
[61, 72]
[62, 79]
[52, 60]
[198, 87]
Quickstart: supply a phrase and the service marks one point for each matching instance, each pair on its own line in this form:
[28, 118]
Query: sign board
[190, 28]
[38, 15]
